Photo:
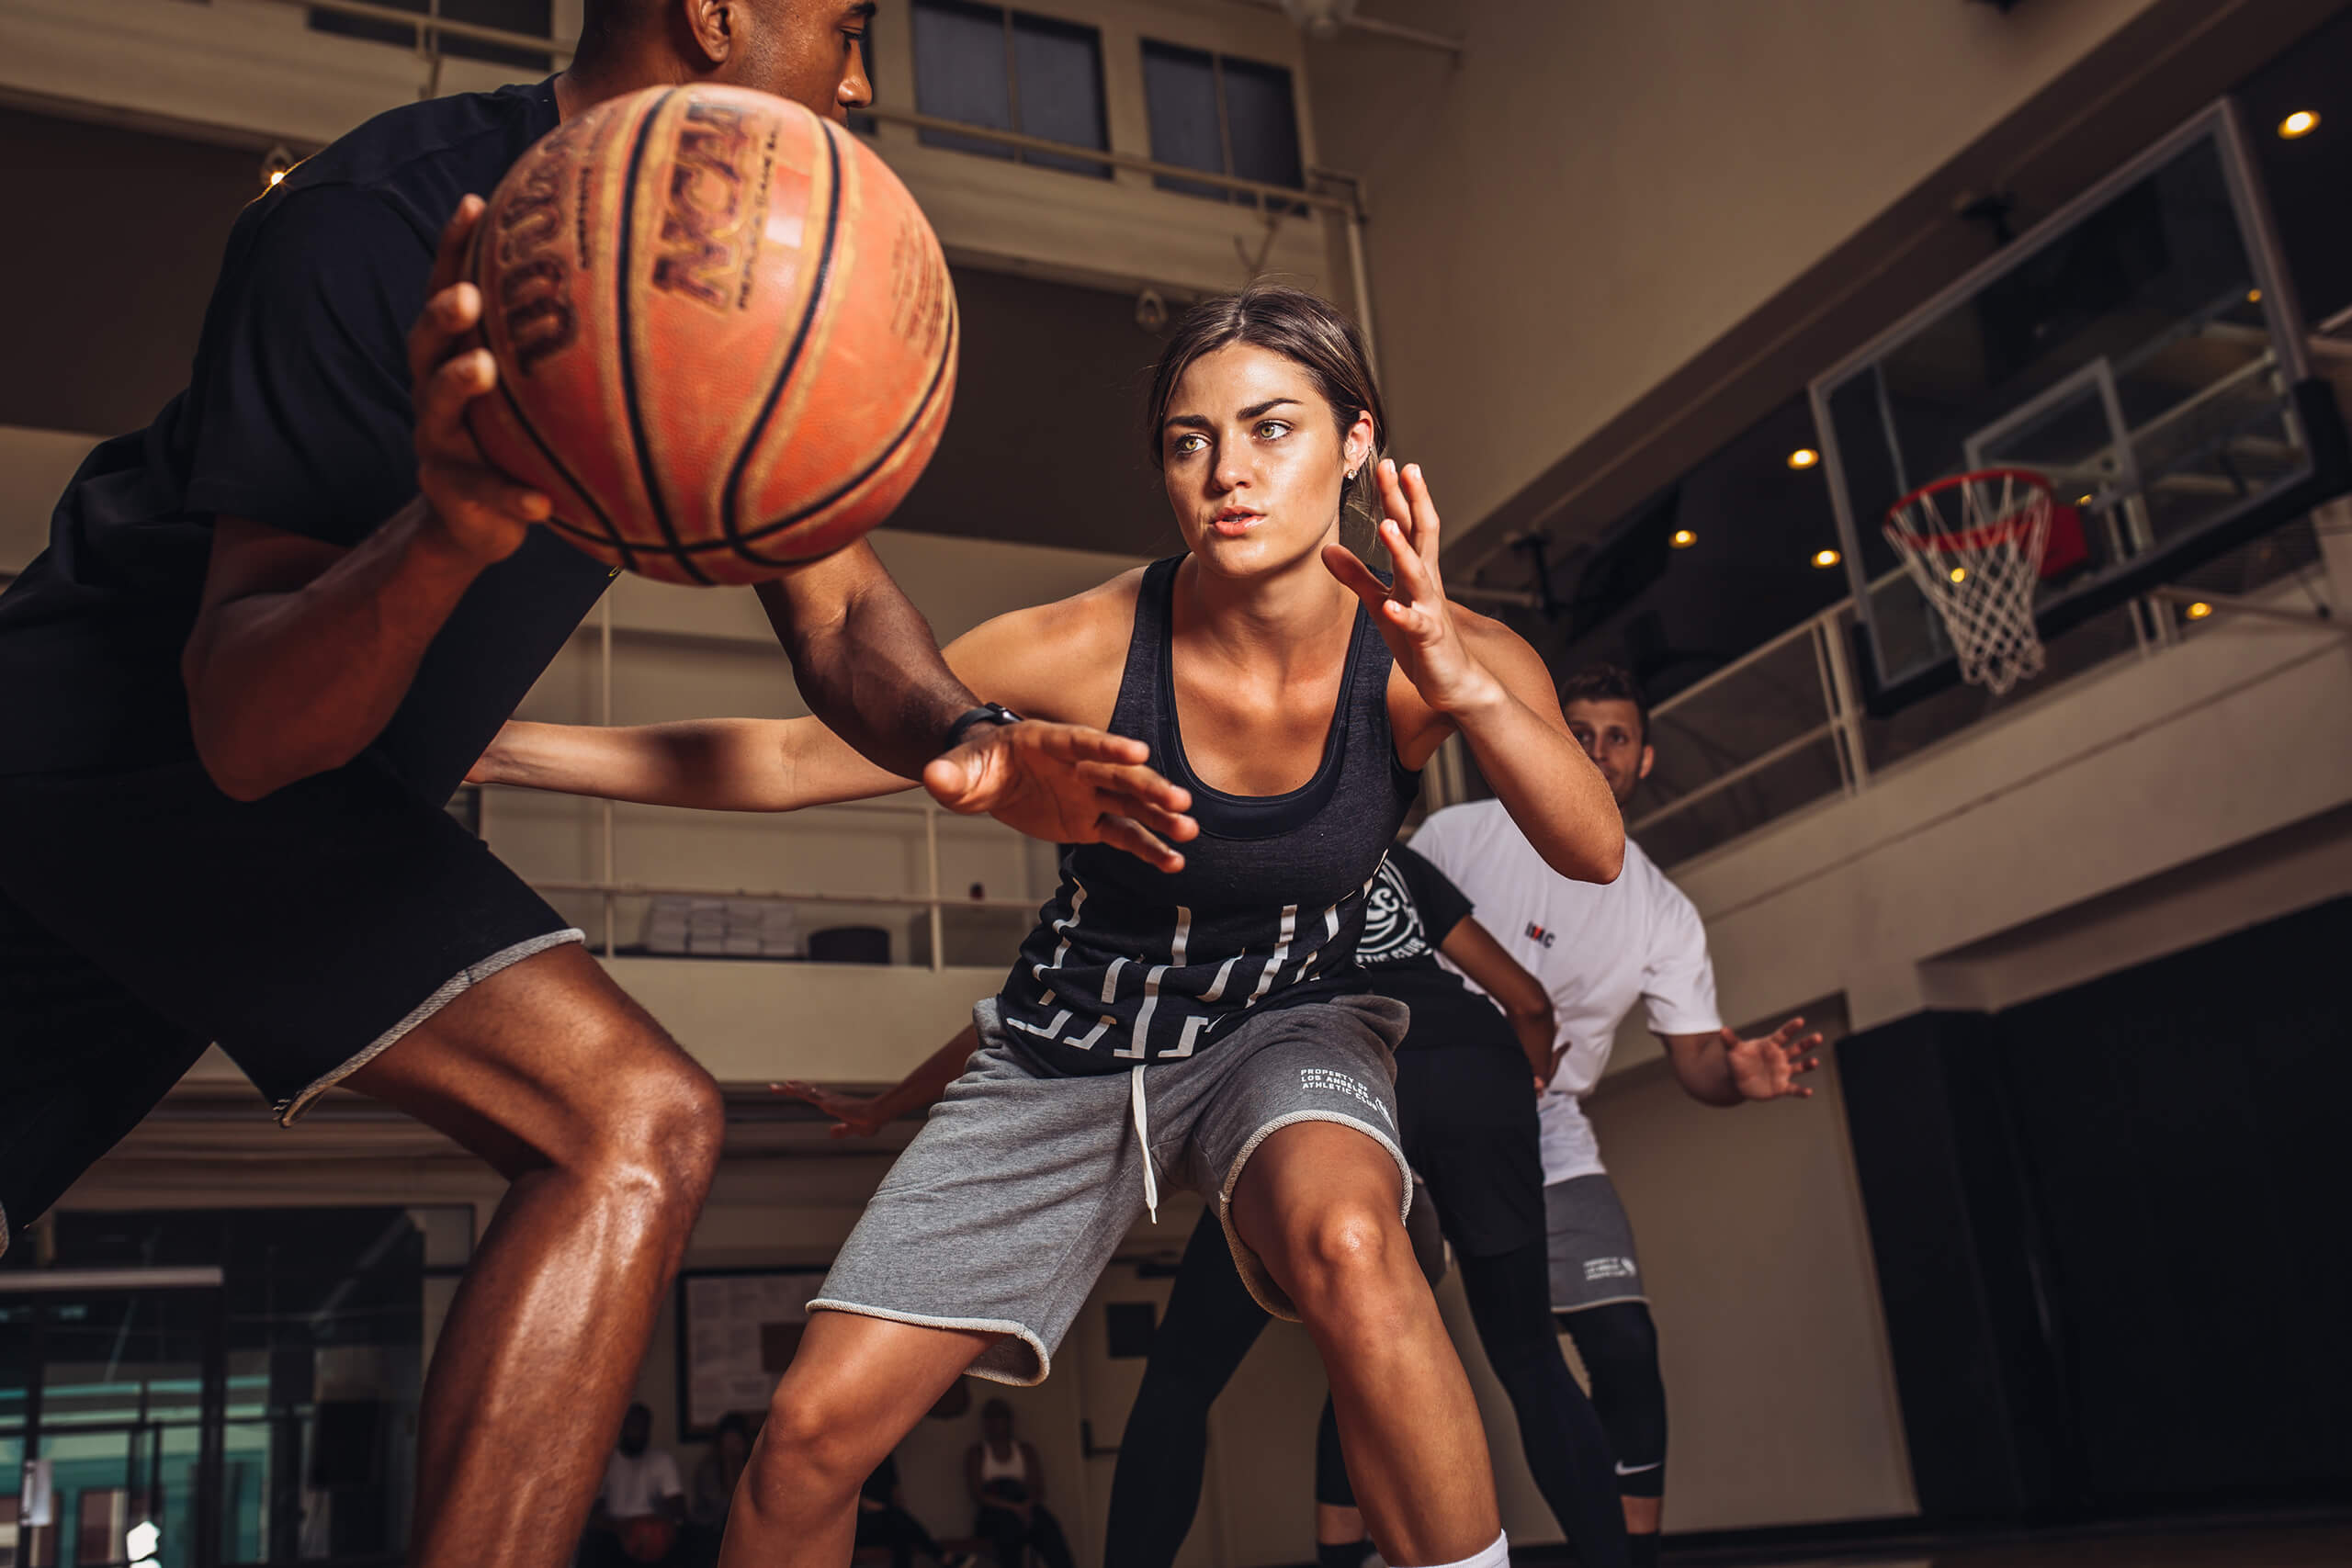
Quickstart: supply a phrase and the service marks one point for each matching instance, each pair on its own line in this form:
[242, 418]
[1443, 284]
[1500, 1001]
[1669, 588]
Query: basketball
[726, 335]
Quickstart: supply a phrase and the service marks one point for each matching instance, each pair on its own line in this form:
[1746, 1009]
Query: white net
[1974, 545]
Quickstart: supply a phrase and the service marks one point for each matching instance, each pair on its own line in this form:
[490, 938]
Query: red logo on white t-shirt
[1538, 935]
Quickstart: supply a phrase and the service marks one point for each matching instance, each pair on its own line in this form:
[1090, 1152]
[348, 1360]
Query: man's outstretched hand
[1768, 1067]
[1067, 784]
[855, 1115]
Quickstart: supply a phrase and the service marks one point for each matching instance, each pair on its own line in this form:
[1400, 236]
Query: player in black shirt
[268, 637]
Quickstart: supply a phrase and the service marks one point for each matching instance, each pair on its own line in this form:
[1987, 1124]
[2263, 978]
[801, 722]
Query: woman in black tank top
[1294, 694]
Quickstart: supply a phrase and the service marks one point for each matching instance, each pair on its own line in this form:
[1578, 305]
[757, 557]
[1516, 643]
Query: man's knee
[646, 1111]
[1617, 1342]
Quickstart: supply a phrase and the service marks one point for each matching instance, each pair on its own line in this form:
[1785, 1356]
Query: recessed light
[2253, 296]
[1826, 558]
[2199, 610]
[1804, 457]
[2302, 122]
[1682, 540]
[2082, 500]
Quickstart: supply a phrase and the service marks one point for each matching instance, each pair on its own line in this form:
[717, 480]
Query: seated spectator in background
[883, 1520]
[714, 1478]
[641, 1505]
[1008, 1485]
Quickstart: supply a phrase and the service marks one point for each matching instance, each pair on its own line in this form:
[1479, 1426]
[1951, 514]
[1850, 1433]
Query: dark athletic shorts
[145, 914]
[1467, 1115]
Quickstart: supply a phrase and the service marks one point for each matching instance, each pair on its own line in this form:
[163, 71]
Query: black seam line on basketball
[613, 534]
[931, 394]
[621, 271]
[730, 502]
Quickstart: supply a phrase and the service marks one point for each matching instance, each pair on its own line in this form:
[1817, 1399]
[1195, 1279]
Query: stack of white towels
[702, 926]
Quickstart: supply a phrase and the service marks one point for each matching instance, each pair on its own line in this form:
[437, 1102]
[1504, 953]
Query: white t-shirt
[1597, 950]
[634, 1487]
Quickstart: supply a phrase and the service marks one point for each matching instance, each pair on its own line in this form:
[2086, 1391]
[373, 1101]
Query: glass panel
[1059, 68]
[2128, 357]
[961, 73]
[1262, 118]
[1180, 99]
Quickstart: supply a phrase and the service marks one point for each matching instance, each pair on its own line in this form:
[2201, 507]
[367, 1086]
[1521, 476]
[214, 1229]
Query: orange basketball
[725, 336]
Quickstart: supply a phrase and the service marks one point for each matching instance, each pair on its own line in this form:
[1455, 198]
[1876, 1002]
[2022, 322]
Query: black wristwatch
[986, 713]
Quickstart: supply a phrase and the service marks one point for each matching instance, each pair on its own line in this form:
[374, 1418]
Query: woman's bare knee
[1346, 1252]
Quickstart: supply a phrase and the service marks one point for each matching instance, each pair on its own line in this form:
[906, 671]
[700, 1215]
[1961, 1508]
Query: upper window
[1221, 116]
[533, 18]
[1006, 70]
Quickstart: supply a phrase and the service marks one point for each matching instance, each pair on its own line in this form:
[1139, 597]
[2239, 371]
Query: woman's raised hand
[1412, 614]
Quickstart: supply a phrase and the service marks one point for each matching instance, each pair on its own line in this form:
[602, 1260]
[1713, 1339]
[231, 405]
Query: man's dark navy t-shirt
[1411, 909]
[297, 416]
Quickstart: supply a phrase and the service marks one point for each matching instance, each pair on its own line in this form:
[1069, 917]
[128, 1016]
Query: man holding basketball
[268, 637]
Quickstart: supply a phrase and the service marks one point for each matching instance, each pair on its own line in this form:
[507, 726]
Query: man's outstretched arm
[1724, 1070]
[862, 1116]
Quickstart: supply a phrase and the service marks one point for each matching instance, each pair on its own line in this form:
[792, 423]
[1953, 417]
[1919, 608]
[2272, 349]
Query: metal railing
[1783, 728]
[1339, 199]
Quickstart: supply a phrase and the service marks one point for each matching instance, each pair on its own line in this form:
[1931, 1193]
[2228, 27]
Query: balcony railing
[1782, 728]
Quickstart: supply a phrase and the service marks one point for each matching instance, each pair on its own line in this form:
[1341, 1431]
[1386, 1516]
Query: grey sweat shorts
[1003, 1211]
[1590, 1244]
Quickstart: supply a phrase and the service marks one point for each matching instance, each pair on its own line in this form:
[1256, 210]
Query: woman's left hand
[1412, 614]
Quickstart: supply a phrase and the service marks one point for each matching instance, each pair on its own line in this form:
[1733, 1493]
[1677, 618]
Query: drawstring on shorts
[1142, 1139]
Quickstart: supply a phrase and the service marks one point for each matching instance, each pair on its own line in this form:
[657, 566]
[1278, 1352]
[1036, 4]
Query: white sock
[1495, 1556]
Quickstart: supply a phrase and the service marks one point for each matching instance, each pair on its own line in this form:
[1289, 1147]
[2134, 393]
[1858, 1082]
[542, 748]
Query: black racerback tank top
[1128, 964]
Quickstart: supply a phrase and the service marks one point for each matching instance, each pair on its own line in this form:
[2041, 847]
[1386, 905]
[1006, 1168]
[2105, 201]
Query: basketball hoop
[1973, 543]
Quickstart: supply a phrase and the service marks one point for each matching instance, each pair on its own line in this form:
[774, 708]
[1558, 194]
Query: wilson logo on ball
[725, 336]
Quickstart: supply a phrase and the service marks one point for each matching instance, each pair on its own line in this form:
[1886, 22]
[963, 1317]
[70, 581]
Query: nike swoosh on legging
[1638, 1469]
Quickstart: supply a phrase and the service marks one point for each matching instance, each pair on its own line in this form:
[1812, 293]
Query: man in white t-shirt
[1597, 949]
[643, 1503]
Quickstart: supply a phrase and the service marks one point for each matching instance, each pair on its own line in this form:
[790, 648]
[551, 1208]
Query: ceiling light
[2082, 500]
[1826, 558]
[1804, 457]
[1683, 538]
[2199, 610]
[276, 164]
[2302, 122]
[2253, 296]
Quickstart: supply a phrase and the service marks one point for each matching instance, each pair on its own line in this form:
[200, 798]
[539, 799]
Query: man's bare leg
[855, 1387]
[1318, 1203]
[609, 1135]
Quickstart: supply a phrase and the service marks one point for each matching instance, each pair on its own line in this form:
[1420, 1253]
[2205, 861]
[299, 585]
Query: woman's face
[1253, 465]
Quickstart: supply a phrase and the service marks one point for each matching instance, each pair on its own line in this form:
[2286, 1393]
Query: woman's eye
[1269, 429]
[1186, 446]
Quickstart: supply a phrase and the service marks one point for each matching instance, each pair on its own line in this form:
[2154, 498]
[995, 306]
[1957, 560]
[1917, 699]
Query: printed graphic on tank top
[1128, 964]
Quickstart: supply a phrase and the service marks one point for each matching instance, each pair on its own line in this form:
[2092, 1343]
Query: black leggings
[1212, 1322]
[1618, 1344]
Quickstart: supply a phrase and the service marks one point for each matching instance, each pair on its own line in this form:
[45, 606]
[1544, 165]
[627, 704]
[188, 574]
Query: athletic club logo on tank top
[1392, 926]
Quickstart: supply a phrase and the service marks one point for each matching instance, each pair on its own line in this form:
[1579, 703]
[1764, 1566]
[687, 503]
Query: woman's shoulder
[1043, 659]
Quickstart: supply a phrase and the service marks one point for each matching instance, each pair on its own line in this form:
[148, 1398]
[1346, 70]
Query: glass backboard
[2141, 349]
